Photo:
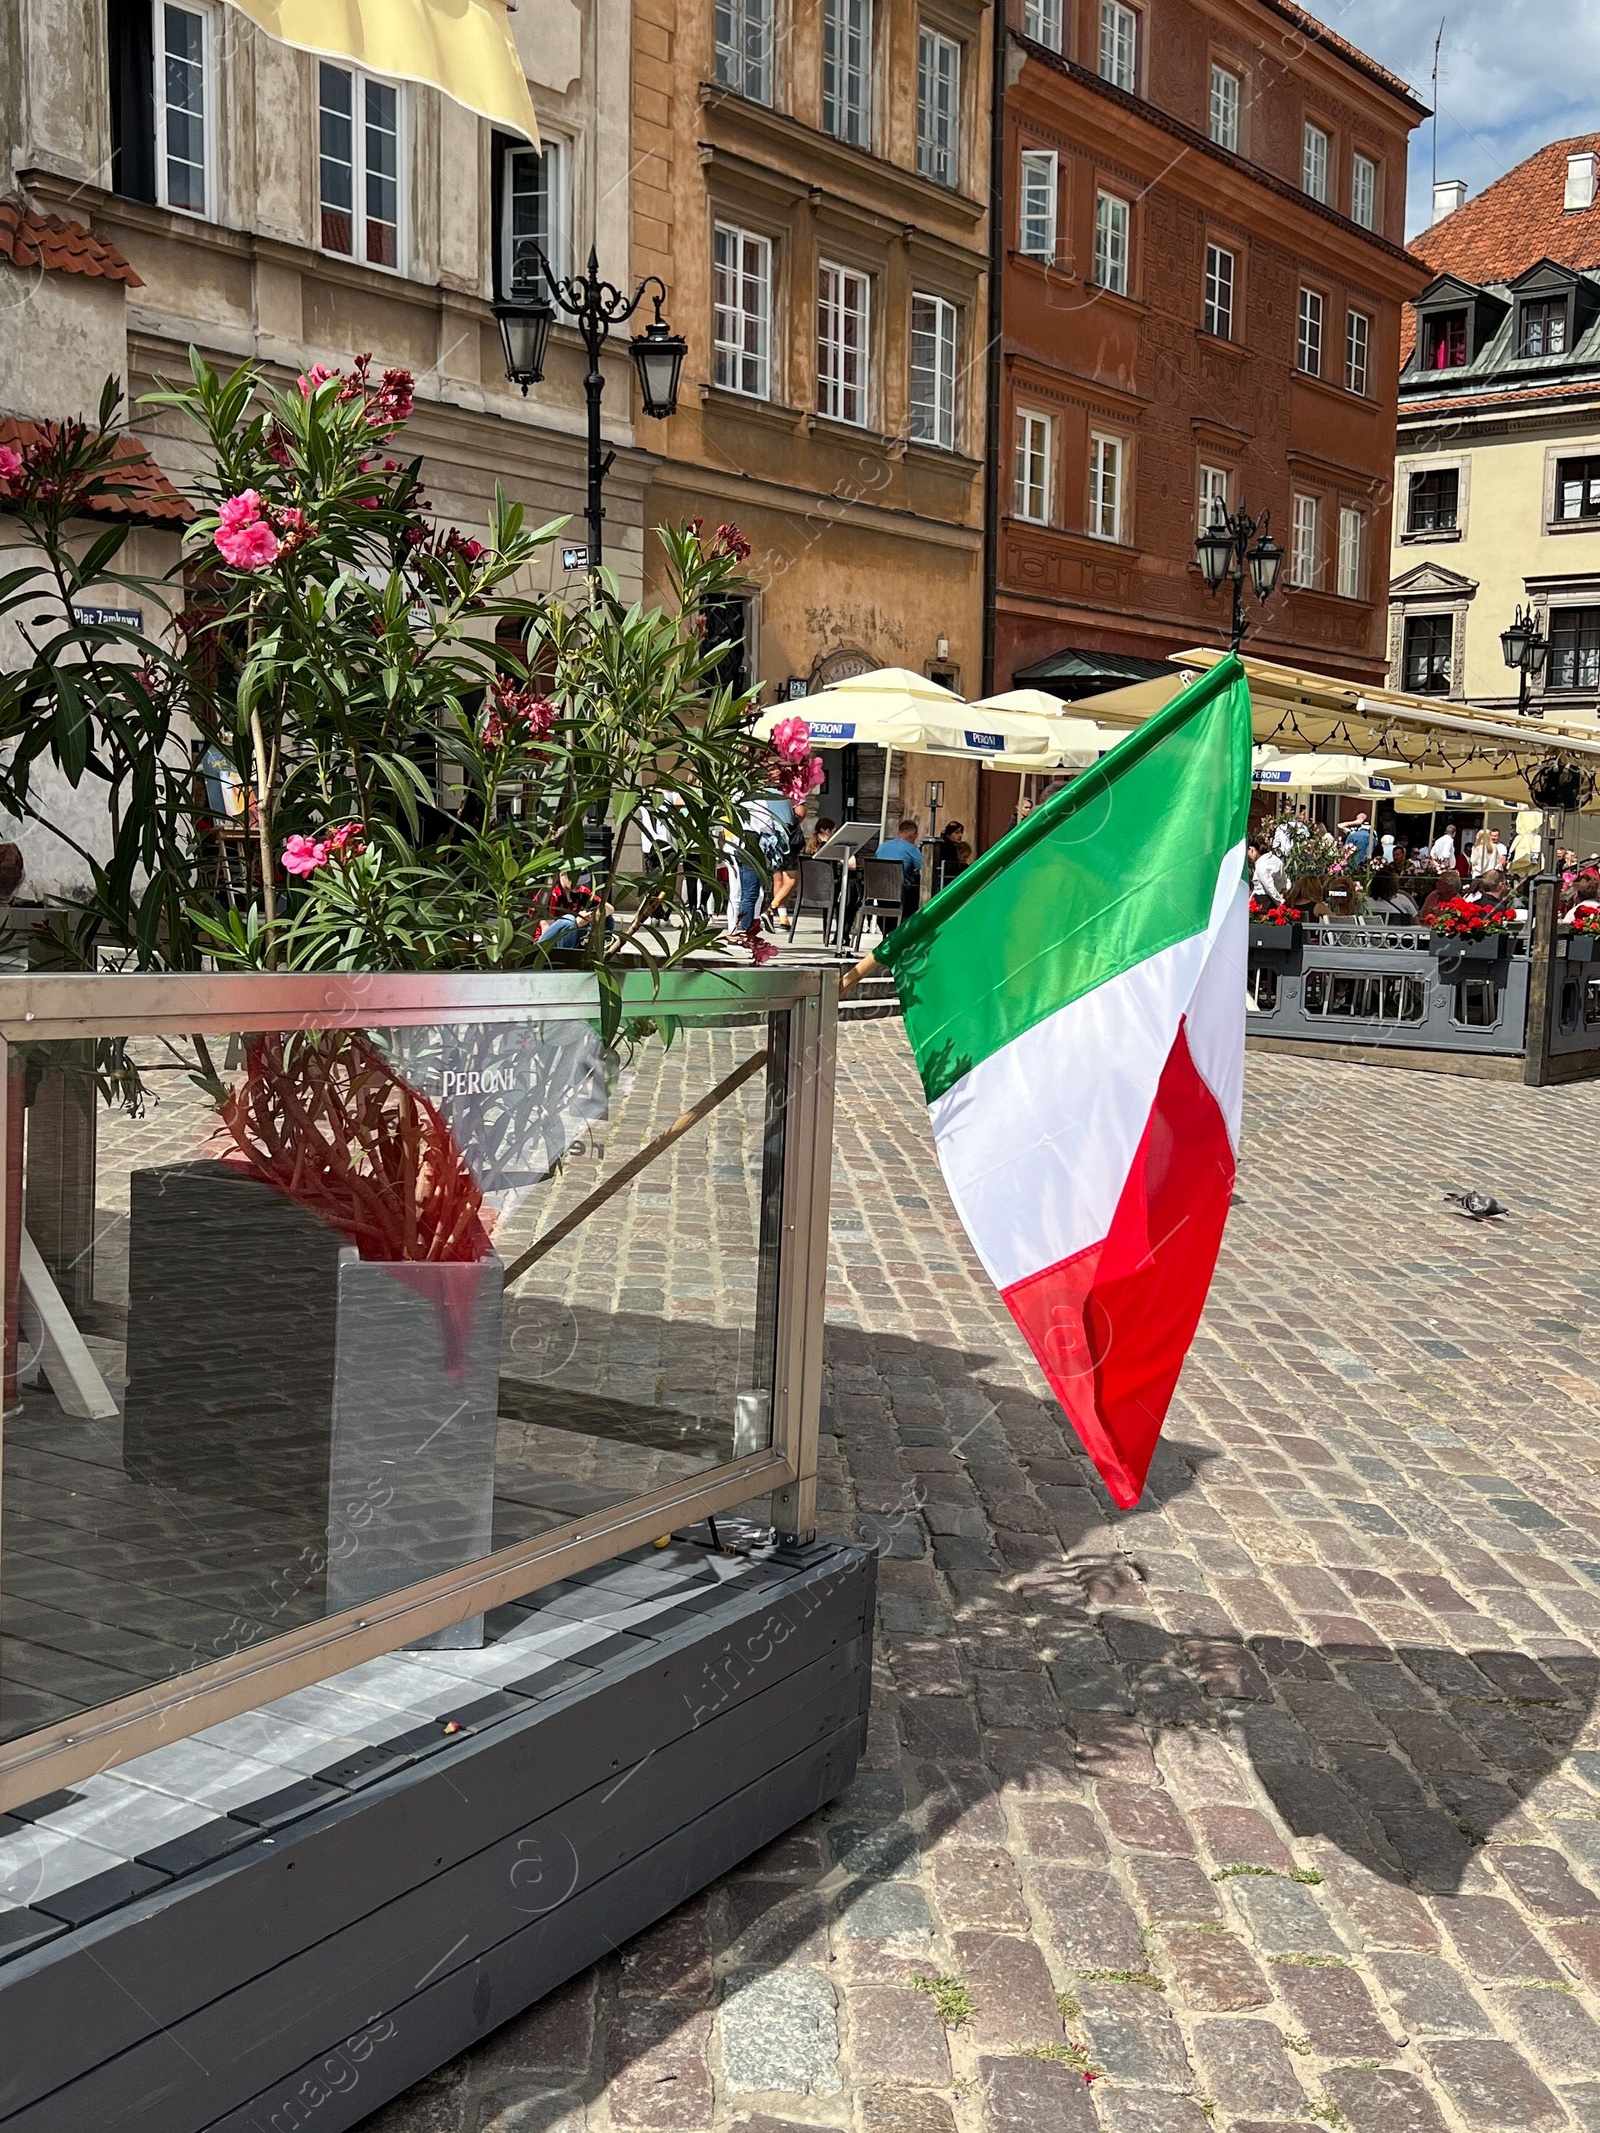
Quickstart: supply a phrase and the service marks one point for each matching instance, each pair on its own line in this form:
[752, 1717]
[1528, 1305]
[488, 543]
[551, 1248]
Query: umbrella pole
[883, 811]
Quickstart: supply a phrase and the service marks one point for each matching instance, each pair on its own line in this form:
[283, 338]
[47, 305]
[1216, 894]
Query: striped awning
[464, 47]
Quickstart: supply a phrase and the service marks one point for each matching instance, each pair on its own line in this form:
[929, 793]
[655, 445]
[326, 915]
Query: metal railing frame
[40, 1009]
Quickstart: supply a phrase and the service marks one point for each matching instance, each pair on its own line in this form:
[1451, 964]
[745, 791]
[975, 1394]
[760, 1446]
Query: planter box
[349, 1407]
[1453, 948]
[1274, 940]
[1580, 947]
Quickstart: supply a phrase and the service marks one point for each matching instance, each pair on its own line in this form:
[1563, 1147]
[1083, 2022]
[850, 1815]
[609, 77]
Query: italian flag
[1075, 1001]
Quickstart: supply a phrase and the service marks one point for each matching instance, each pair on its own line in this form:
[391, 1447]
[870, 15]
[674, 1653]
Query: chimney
[1448, 195]
[1580, 181]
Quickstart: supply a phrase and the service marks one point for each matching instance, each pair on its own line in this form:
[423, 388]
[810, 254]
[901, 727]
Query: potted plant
[1580, 942]
[1469, 936]
[1274, 927]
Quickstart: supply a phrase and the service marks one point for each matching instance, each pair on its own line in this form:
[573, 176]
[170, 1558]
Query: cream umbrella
[1073, 743]
[1351, 776]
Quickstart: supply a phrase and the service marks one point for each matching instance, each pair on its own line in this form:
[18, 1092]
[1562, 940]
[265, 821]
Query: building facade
[1204, 275]
[812, 184]
[1497, 470]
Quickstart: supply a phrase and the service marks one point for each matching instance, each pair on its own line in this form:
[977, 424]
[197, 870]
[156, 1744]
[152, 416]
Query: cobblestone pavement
[1275, 1801]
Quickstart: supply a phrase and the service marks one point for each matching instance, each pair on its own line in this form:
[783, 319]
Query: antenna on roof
[1439, 40]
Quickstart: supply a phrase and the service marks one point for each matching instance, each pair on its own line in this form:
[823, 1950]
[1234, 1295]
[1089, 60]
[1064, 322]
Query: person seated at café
[903, 846]
[1382, 893]
[1445, 890]
[1582, 894]
[822, 830]
[947, 859]
[1309, 893]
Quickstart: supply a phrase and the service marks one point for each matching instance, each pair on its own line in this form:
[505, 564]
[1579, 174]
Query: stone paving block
[1284, 1916]
[1494, 1940]
[1011, 1988]
[541, 2110]
[1560, 2037]
[1133, 2036]
[1429, 1997]
[1245, 2068]
[1151, 2111]
[1491, 2084]
[1059, 1829]
[1375, 1912]
[902, 2111]
[1027, 2095]
[979, 1888]
[1381, 2100]
[1241, 1836]
[1544, 1881]
[1332, 2008]
[774, 1922]
[657, 2067]
[890, 1911]
[1174, 1890]
[896, 2037]
[1090, 1923]
[1582, 2099]
[555, 2035]
[1214, 1972]
[1144, 1817]
[780, 2033]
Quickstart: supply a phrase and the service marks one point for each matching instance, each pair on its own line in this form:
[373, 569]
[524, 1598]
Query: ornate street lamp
[1236, 547]
[1526, 648]
[594, 306]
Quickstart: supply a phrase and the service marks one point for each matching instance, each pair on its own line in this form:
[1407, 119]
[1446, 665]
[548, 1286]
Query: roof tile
[142, 492]
[31, 239]
[1517, 221]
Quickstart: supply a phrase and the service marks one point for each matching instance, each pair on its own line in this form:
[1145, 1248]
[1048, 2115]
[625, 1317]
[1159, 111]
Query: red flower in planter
[1264, 914]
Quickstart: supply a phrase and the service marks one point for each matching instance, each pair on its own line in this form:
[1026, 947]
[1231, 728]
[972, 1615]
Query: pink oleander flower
[292, 527]
[346, 842]
[10, 464]
[729, 541]
[393, 401]
[244, 538]
[510, 707]
[303, 855]
[791, 739]
[761, 951]
[798, 781]
[309, 380]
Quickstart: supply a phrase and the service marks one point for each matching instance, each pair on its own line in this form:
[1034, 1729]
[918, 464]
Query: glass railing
[341, 1312]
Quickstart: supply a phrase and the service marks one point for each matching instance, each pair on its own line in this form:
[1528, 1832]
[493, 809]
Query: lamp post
[1526, 648]
[1235, 546]
[595, 306]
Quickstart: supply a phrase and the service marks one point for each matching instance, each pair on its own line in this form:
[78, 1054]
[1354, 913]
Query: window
[1041, 20]
[1308, 341]
[847, 70]
[1105, 487]
[1111, 243]
[1305, 560]
[744, 47]
[1577, 488]
[1217, 313]
[1119, 44]
[533, 205]
[359, 166]
[1031, 494]
[1352, 547]
[183, 96]
[1357, 345]
[742, 311]
[1575, 648]
[1314, 162]
[1444, 340]
[730, 622]
[1432, 500]
[1213, 496]
[938, 107]
[1542, 327]
[1364, 191]
[933, 371]
[1036, 233]
[1425, 666]
[1225, 109]
[843, 324]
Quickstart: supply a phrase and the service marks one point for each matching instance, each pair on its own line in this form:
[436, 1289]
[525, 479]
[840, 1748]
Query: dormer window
[1444, 340]
[1542, 327]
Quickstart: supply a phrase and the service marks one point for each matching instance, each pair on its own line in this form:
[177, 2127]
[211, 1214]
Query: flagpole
[853, 977]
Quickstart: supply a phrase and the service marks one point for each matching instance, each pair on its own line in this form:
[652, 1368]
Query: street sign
[575, 558]
[797, 686]
[128, 618]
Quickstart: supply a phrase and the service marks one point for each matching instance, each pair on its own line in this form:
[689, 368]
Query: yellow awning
[464, 47]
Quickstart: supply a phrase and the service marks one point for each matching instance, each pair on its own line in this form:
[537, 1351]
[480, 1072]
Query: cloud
[1511, 77]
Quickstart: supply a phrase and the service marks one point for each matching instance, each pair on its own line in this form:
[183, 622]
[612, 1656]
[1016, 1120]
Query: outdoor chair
[883, 895]
[816, 896]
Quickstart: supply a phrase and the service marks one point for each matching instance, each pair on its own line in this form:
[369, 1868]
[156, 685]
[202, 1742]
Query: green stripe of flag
[1120, 864]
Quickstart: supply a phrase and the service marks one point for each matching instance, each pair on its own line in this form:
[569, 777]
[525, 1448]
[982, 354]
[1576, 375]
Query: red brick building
[1203, 274]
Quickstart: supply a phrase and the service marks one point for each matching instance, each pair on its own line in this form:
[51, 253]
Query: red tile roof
[1516, 222]
[30, 239]
[142, 492]
[1512, 396]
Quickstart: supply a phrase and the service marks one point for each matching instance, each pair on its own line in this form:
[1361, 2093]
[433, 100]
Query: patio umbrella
[1350, 775]
[1072, 743]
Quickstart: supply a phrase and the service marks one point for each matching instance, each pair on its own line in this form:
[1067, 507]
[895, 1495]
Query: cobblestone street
[1275, 1801]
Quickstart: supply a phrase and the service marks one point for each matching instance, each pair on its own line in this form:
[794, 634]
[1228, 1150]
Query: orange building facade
[1203, 274]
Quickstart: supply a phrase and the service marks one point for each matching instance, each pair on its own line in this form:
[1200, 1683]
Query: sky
[1513, 74]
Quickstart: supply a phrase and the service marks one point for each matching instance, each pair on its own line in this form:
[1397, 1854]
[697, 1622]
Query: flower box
[1476, 948]
[1269, 939]
[1580, 947]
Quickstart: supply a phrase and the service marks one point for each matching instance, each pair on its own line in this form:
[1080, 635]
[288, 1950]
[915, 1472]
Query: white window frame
[1308, 332]
[847, 106]
[837, 397]
[1119, 45]
[206, 16]
[1033, 467]
[938, 330]
[553, 157]
[359, 77]
[737, 365]
[1041, 20]
[1364, 190]
[731, 25]
[1213, 492]
[1352, 551]
[1216, 315]
[1316, 161]
[938, 106]
[1223, 113]
[1113, 242]
[1108, 461]
[1039, 180]
[1305, 543]
[1357, 352]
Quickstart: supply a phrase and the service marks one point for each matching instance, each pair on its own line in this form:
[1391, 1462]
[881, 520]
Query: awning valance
[464, 47]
